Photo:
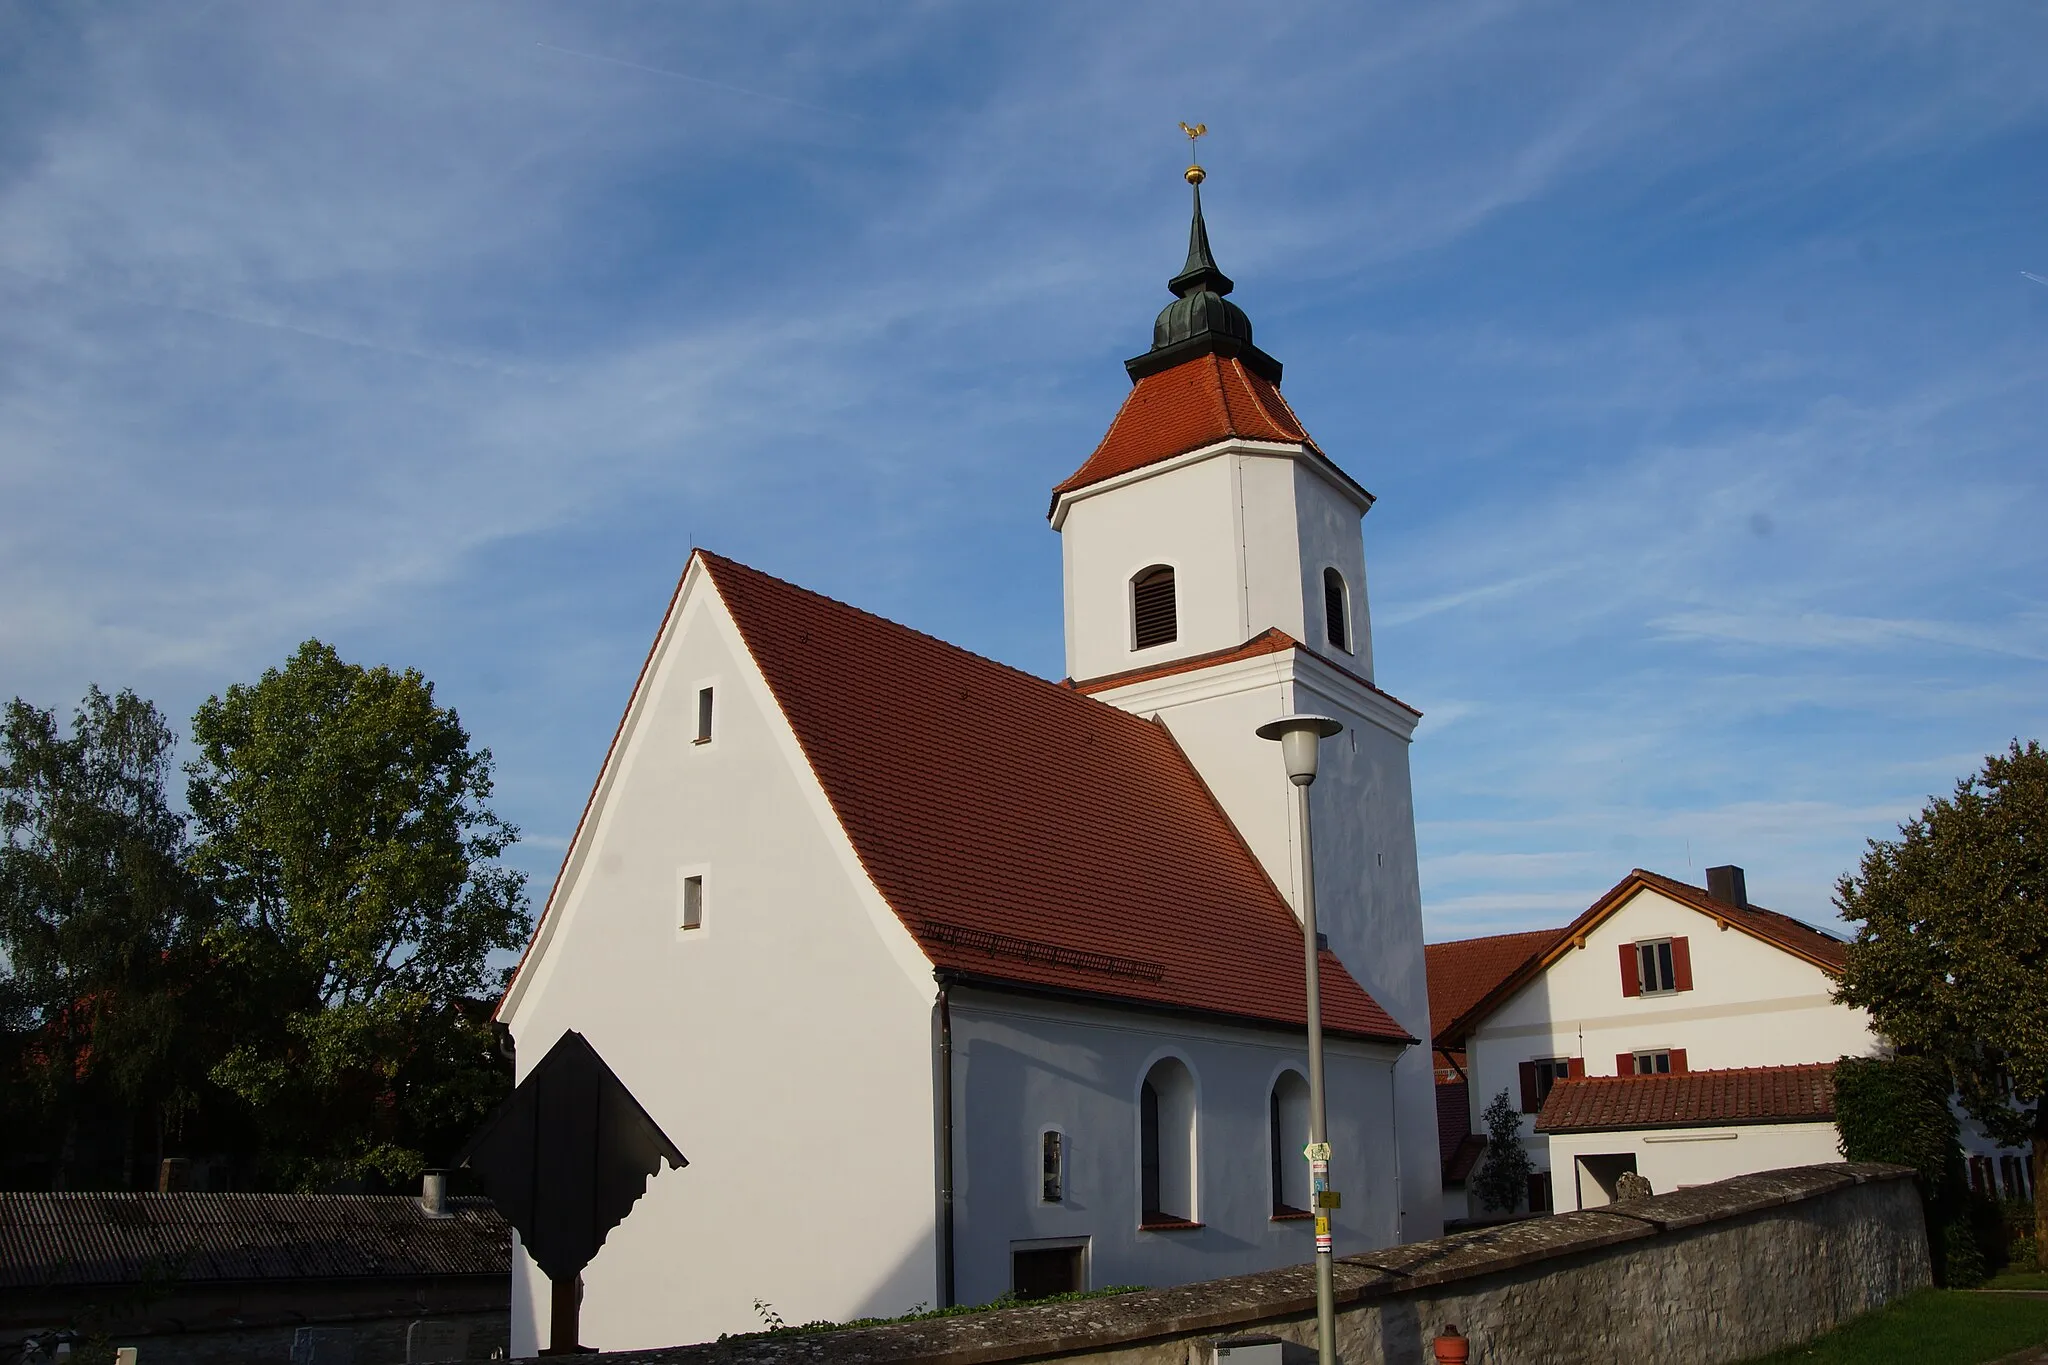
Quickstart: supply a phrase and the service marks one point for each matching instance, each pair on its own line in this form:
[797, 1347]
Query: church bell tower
[1214, 568]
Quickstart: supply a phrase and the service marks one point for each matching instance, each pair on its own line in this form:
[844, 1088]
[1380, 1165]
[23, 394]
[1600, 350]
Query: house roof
[1462, 971]
[1027, 835]
[1271, 640]
[1691, 1099]
[1196, 403]
[49, 1240]
[1789, 935]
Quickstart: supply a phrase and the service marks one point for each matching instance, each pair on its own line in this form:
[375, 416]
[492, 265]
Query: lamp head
[1300, 737]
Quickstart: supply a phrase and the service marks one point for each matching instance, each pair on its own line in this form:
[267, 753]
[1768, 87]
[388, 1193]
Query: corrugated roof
[1462, 971]
[48, 1240]
[1197, 403]
[1691, 1099]
[1025, 833]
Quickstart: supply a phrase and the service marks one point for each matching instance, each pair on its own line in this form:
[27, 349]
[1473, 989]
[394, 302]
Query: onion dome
[1200, 320]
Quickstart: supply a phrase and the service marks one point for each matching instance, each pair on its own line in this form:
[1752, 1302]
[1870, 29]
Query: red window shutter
[1575, 1067]
[1631, 981]
[1677, 1059]
[1681, 965]
[1529, 1105]
[1624, 1063]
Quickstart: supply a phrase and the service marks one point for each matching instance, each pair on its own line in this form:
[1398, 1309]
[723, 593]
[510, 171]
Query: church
[953, 982]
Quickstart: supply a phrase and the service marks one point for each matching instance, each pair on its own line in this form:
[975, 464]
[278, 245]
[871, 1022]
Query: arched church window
[1336, 610]
[1153, 617]
[1289, 1115]
[1166, 1145]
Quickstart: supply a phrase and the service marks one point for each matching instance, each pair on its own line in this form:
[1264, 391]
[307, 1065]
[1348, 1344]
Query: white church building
[951, 981]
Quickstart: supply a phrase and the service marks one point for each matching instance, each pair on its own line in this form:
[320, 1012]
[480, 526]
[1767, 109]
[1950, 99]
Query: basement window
[703, 716]
[1154, 619]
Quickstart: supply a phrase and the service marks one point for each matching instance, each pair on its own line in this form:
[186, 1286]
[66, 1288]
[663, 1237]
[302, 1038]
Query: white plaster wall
[1674, 1158]
[785, 1047]
[1186, 517]
[1752, 1004]
[1330, 537]
[1022, 1065]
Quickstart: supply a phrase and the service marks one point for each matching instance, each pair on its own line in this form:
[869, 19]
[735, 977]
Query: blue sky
[1687, 348]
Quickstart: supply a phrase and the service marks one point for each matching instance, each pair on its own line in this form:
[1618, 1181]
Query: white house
[951, 981]
[1675, 1031]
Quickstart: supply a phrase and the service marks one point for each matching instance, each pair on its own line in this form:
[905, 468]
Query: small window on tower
[1152, 608]
[1336, 613]
[703, 716]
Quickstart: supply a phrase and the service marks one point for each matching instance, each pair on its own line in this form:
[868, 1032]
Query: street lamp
[1300, 739]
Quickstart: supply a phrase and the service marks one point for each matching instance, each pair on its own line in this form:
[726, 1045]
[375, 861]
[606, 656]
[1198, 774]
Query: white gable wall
[1024, 1064]
[785, 1047]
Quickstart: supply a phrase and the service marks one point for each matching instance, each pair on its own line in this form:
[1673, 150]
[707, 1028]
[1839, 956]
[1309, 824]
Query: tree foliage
[1951, 953]
[1896, 1109]
[1502, 1180]
[105, 1000]
[343, 825]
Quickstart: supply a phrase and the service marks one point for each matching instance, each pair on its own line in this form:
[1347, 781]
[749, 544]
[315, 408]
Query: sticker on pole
[1317, 1151]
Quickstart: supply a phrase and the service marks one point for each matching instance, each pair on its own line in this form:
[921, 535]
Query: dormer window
[1336, 610]
[1153, 616]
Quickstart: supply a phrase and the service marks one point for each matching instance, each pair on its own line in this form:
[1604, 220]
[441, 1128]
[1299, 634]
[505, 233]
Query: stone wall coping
[1041, 1331]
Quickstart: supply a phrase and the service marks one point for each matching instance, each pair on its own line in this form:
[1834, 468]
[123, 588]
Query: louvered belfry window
[1333, 610]
[1152, 608]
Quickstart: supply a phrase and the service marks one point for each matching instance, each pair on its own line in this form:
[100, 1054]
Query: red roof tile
[1691, 1099]
[1025, 833]
[1780, 931]
[1198, 402]
[1462, 971]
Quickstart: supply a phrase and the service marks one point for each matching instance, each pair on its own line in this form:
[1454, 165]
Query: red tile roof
[1780, 931]
[1026, 834]
[1462, 971]
[1197, 403]
[1691, 1099]
[1271, 640]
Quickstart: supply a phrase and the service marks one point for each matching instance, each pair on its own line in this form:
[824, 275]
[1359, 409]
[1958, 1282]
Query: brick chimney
[1726, 884]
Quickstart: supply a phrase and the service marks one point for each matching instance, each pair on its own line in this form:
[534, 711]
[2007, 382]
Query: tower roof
[1201, 321]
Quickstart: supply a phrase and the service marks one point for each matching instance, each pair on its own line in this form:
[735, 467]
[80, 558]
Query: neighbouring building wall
[1751, 1004]
[1710, 1276]
[1674, 1159]
[1023, 1065]
[785, 1046]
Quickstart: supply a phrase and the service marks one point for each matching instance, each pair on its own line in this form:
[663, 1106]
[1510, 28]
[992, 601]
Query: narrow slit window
[693, 903]
[1336, 617]
[1052, 1145]
[1153, 612]
[703, 715]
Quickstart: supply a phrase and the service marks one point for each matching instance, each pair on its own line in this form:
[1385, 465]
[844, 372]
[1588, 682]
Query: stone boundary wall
[1713, 1274]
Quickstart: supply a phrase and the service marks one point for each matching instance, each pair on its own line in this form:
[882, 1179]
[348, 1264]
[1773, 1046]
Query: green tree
[343, 823]
[1951, 952]
[1503, 1177]
[102, 929]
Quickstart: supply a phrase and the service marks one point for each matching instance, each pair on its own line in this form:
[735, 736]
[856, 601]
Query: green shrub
[1896, 1109]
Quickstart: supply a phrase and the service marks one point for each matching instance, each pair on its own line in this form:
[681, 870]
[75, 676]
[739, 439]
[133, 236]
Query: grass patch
[2018, 1279]
[1933, 1327]
[776, 1327]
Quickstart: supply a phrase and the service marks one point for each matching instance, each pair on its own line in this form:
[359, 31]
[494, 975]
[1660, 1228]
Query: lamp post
[1301, 738]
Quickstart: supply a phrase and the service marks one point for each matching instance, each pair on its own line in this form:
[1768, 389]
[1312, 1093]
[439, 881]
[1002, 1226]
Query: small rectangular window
[1053, 1155]
[1653, 1063]
[693, 903]
[703, 715]
[1654, 967]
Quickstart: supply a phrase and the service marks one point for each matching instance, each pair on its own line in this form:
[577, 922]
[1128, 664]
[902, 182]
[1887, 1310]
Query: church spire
[1201, 321]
